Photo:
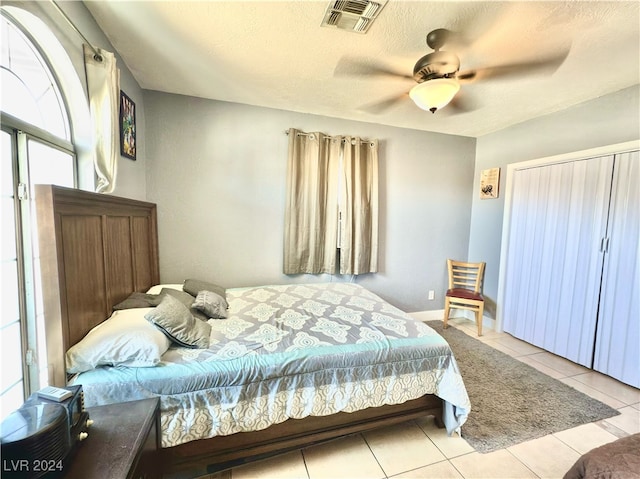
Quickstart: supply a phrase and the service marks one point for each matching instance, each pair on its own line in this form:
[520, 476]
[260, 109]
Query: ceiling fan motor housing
[437, 64]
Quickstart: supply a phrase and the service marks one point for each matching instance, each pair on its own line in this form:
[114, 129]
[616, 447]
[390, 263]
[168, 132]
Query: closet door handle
[604, 244]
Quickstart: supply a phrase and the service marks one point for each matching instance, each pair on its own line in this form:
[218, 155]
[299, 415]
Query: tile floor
[418, 449]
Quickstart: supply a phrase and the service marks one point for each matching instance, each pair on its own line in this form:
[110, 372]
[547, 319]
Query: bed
[618, 459]
[291, 365]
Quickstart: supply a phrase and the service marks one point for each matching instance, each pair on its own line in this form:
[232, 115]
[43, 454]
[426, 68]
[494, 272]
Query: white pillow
[157, 288]
[125, 339]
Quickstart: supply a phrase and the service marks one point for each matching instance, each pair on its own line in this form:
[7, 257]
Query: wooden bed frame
[95, 250]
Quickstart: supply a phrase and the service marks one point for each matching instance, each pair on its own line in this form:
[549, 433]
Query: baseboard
[455, 313]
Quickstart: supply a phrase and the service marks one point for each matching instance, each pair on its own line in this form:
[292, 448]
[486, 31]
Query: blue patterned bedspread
[290, 351]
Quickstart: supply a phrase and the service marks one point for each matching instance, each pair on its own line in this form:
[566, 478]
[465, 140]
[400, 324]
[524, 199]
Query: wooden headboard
[95, 250]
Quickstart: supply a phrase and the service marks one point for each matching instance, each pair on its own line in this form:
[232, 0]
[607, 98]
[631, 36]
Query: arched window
[29, 89]
[38, 144]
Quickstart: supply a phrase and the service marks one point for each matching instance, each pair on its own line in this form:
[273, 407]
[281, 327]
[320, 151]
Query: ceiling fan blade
[347, 66]
[466, 76]
[383, 105]
[546, 65]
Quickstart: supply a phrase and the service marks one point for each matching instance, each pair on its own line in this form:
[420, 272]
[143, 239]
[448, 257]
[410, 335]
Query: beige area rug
[512, 402]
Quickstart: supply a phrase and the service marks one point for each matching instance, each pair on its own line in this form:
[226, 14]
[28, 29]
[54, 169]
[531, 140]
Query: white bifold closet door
[555, 255]
[617, 351]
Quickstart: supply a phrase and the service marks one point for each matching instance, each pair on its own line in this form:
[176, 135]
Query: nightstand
[123, 443]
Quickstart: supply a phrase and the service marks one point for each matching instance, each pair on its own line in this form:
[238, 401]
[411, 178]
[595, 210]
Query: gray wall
[131, 181]
[217, 172]
[607, 120]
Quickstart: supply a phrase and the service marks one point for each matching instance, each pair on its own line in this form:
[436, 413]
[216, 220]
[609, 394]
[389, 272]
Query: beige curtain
[359, 206]
[326, 175]
[311, 211]
[103, 84]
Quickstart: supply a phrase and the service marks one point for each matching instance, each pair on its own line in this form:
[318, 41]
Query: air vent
[353, 15]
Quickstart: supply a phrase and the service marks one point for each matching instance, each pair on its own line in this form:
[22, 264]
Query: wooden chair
[465, 285]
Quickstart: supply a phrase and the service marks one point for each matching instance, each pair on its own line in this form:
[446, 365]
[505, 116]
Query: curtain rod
[327, 137]
[96, 54]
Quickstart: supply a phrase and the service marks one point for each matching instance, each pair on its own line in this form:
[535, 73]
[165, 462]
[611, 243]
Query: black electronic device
[39, 438]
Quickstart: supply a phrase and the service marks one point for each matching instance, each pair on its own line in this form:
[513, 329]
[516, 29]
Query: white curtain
[327, 177]
[103, 84]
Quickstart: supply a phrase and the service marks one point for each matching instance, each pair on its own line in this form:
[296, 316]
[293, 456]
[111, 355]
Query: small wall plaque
[489, 183]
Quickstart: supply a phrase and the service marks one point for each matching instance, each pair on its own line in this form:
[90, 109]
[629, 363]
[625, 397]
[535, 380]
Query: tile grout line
[304, 461]
[574, 377]
[374, 455]
[518, 459]
[457, 470]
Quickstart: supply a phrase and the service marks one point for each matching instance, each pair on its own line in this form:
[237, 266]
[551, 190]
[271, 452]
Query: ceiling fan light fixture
[431, 95]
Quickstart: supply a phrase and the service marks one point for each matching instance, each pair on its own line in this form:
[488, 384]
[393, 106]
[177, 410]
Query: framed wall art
[127, 126]
[489, 183]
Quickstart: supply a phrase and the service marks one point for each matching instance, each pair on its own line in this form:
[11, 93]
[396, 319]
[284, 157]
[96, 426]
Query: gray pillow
[174, 319]
[211, 304]
[186, 299]
[139, 300]
[194, 286]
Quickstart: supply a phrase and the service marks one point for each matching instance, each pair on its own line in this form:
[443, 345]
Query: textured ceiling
[276, 54]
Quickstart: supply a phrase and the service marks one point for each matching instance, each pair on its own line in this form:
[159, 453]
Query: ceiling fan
[438, 74]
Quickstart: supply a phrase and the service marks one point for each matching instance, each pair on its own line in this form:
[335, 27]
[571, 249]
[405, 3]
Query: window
[29, 90]
[36, 147]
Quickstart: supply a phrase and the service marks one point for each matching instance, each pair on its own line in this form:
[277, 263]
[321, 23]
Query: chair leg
[446, 312]
[479, 315]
